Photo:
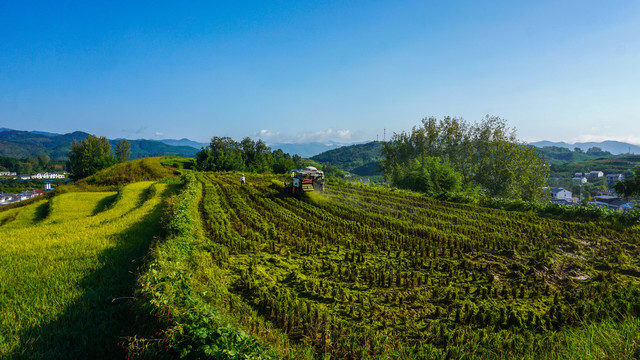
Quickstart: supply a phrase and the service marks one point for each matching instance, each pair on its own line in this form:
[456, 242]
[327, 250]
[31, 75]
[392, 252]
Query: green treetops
[123, 150]
[90, 155]
[485, 154]
[226, 154]
[629, 187]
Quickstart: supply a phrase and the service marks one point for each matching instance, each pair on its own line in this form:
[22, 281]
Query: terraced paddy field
[219, 270]
[373, 273]
[67, 271]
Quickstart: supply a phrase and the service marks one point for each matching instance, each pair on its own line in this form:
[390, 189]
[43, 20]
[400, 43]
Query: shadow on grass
[42, 211]
[104, 204]
[91, 327]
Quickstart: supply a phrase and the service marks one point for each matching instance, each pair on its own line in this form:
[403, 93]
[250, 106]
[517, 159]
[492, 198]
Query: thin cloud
[264, 133]
[158, 134]
[321, 136]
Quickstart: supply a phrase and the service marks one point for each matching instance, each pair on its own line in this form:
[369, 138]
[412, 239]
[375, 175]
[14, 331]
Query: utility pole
[384, 137]
[580, 191]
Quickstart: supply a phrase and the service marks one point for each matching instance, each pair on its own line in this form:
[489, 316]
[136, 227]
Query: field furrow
[361, 272]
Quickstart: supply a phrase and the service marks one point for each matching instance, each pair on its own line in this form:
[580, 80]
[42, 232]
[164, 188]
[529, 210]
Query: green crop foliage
[245, 272]
[361, 272]
[67, 271]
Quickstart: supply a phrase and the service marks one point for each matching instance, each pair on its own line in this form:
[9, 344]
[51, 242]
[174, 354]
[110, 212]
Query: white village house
[579, 177]
[47, 176]
[8, 199]
[612, 178]
[594, 175]
[560, 193]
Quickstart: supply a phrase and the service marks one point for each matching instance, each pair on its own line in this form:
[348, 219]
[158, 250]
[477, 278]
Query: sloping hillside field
[374, 273]
[67, 270]
[219, 270]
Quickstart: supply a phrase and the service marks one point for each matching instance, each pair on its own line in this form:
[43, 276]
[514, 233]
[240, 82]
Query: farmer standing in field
[242, 180]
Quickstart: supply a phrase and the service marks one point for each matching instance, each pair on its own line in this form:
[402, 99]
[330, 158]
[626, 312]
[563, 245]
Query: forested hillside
[560, 155]
[623, 164]
[22, 144]
[360, 159]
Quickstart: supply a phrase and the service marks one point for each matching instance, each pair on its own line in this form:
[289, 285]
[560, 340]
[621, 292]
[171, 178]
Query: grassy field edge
[173, 319]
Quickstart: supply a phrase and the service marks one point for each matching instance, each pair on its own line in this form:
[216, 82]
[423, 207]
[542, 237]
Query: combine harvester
[302, 181]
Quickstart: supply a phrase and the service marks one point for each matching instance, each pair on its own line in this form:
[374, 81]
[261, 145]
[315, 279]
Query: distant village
[607, 199]
[6, 199]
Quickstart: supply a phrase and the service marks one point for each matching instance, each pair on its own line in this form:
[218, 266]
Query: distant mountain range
[614, 147]
[184, 142]
[22, 144]
[306, 150]
[360, 159]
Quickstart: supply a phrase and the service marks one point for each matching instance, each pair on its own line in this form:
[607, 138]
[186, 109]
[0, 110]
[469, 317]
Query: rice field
[68, 271]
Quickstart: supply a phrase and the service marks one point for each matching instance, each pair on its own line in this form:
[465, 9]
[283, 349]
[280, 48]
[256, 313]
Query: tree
[486, 154]
[90, 155]
[630, 186]
[596, 151]
[123, 150]
[25, 168]
[429, 174]
[225, 154]
[35, 164]
[43, 161]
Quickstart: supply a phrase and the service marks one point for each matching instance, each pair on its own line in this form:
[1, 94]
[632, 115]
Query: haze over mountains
[614, 147]
[20, 144]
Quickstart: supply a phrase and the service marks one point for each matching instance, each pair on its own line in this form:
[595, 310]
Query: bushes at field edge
[190, 328]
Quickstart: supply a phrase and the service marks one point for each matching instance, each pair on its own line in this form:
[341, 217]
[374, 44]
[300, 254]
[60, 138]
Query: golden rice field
[68, 270]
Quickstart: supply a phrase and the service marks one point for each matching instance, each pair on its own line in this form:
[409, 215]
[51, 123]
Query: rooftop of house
[563, 202]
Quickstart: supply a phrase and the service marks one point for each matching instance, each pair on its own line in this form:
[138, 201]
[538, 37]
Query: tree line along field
[68, 267]
[374, 273]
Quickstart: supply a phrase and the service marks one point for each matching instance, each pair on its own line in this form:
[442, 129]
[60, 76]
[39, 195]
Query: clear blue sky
[319, 70]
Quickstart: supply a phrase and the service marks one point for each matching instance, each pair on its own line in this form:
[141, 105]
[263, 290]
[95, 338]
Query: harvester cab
[309, 179]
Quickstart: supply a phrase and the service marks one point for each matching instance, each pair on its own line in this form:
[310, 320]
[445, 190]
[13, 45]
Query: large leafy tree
[629, 187]
[123, 150]
[226, 154]
[90, 155]
[486, 154]
[43, 161]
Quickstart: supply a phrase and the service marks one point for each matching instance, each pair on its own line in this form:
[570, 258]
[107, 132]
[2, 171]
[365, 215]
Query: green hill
[360, 159]
[22, 144]
[561, 155]
[623, 164]
[146, 169]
